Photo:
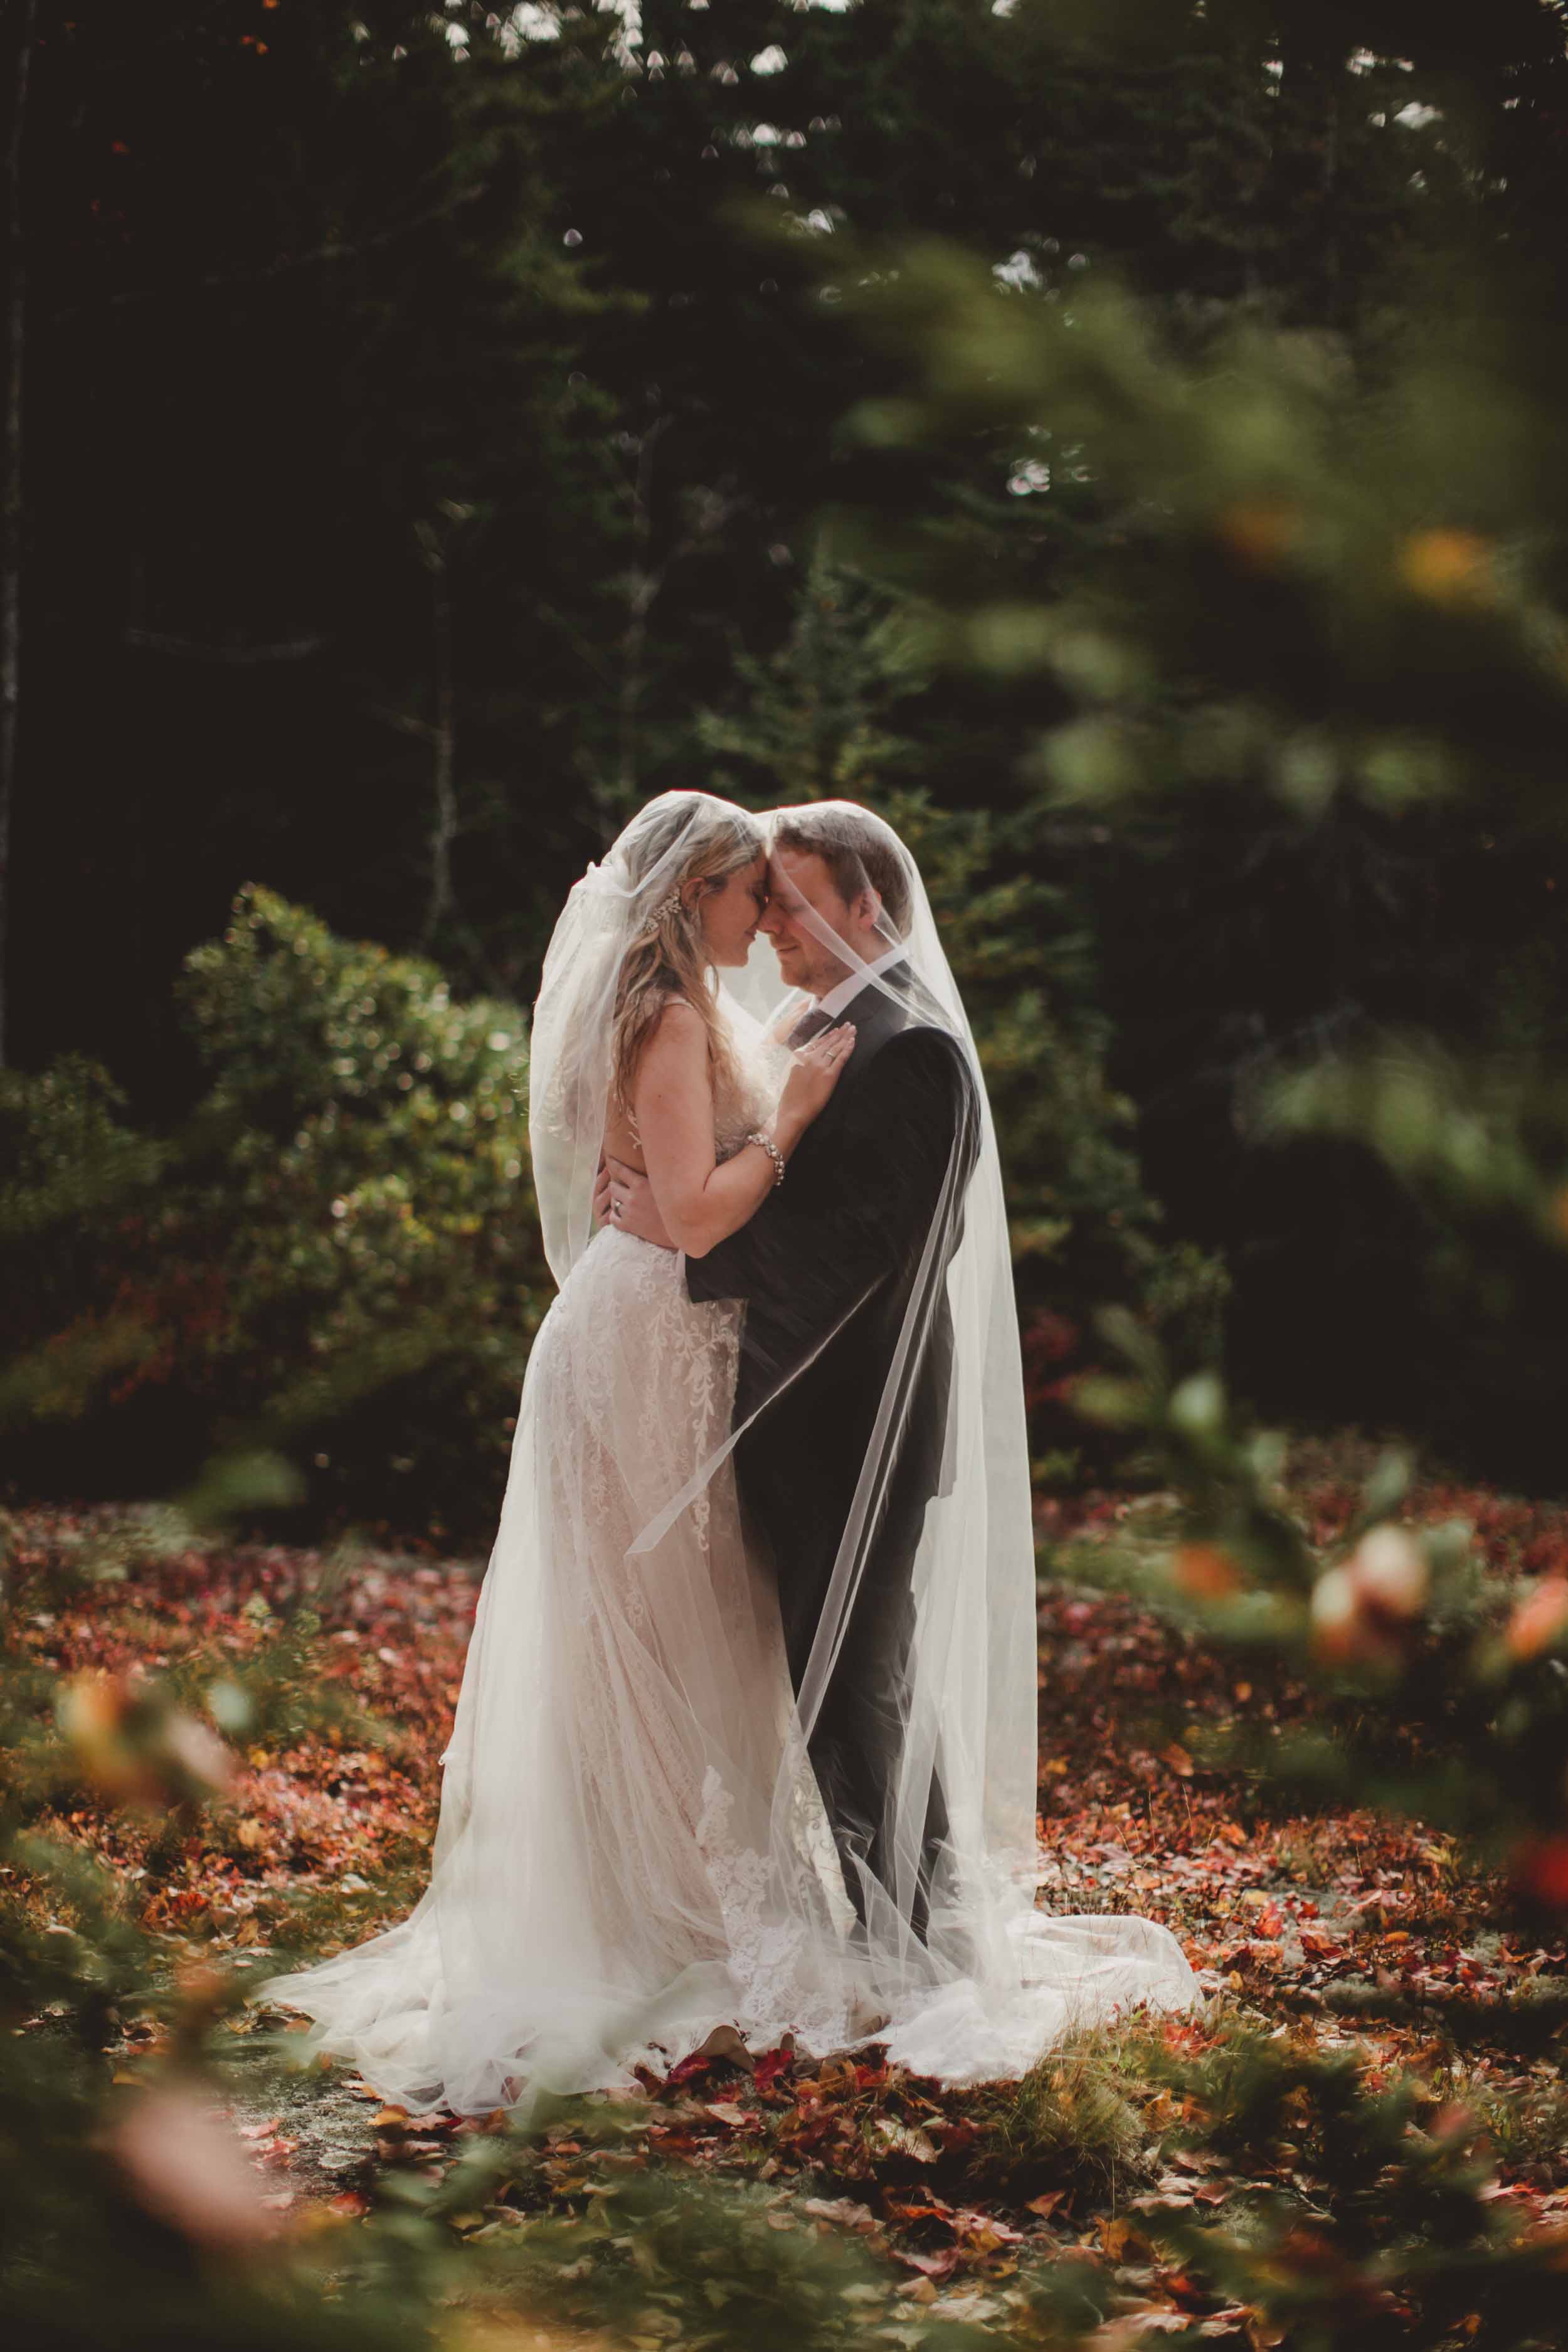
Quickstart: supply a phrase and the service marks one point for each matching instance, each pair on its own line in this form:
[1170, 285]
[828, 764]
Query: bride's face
[729, 914]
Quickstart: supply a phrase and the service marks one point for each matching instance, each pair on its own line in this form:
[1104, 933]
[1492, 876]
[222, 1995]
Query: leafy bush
[337, 1256]
[338, 1253]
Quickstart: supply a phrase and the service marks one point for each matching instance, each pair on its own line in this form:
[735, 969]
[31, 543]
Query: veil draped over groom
[746, 1736]
[880, 1441]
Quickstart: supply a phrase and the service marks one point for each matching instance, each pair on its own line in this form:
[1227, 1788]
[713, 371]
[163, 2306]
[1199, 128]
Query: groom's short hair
[855, 851]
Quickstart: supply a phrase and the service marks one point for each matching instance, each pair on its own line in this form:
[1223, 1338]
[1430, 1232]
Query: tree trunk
[438, 544]
[444, 744]
[11, 474]
[644, 582]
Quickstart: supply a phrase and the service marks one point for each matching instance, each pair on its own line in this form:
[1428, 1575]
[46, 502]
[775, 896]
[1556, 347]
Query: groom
[848, 1342]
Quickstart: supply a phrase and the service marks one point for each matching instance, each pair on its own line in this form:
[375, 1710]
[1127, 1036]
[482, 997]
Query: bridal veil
[634, 1846]
[970, 1979]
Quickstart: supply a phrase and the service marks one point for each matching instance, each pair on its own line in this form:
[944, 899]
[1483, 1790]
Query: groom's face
[799, 879]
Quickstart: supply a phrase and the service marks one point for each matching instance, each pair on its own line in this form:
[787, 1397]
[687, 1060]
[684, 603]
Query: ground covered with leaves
[1317, 1936]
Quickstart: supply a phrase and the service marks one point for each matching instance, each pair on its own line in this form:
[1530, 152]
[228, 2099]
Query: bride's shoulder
[676, 1029]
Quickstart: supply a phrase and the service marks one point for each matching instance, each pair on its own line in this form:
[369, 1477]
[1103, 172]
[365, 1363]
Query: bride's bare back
[623, 1142]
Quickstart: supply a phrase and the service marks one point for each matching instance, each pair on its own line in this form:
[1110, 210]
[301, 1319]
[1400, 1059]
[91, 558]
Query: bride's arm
[702, 1200]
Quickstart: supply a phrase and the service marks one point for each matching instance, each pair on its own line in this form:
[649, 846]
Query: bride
[634, 1848]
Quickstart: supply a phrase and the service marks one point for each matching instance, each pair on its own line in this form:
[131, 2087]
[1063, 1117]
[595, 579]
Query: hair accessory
[670, 907]
[774, 1154]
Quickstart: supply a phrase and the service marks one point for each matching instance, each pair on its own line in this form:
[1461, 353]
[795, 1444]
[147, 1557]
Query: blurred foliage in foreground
[1298, 598]
[1446, 1693]
[1292, 608]
[1442, 1699]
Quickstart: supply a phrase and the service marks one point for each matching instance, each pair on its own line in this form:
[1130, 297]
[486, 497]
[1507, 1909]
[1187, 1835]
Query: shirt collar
[839, 1000]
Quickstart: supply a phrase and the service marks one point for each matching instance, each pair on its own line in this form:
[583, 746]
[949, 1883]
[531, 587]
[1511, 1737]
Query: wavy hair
[666, 958]
[857, 849]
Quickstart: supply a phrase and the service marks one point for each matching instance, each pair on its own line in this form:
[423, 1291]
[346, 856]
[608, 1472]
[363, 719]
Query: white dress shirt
[839, 1000]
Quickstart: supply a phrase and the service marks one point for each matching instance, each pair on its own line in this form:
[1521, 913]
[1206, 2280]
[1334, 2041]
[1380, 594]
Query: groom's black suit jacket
[836, 1250]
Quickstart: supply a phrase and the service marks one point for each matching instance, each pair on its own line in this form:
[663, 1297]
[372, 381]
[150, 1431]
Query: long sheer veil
[947, 1949]
[615, 902]
[655, 1820]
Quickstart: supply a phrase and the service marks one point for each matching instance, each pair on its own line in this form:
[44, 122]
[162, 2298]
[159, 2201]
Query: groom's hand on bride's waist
[622, 1197]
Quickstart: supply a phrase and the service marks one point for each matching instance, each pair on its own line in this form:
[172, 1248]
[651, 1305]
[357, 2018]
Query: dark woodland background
[1122, 440]
[438, 436]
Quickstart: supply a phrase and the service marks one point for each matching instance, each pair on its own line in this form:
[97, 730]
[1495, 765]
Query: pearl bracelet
[774, 1154]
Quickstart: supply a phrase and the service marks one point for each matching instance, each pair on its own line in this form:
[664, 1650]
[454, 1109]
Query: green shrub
[338, 1255]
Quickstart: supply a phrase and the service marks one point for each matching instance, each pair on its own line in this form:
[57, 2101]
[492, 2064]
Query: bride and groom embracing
[746, 1737]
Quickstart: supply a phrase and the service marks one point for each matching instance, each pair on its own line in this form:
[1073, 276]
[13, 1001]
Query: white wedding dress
[632, 1850]
[599, 1896]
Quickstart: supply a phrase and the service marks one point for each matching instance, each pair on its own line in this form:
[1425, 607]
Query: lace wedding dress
[632, 1849]
[603, 1868]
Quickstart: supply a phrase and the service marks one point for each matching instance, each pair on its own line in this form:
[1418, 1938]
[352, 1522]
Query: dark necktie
[810, 1024]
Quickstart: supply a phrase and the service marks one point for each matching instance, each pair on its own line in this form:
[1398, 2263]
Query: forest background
[1121, 441]
[443, 430]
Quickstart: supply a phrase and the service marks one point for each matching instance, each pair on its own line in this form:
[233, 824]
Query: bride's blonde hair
[667, 958]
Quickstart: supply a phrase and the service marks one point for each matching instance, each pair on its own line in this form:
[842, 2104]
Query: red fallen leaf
[260, 2131]
[349, 2204]
[1047, 2205]
[725, 2111]
[771, 2065]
